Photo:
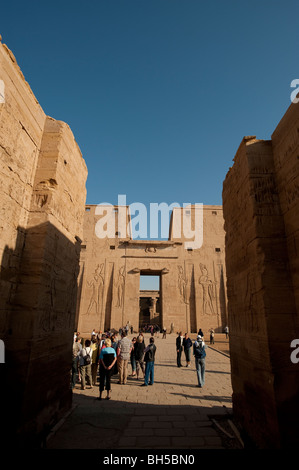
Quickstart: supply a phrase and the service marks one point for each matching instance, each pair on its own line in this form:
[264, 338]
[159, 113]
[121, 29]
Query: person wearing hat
[199, 352]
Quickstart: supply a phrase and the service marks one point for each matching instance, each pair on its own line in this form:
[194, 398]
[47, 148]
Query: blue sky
[158, 93]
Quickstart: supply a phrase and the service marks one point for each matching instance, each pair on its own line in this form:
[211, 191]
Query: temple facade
[191, 290]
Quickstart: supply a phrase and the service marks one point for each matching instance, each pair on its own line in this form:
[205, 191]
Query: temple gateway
[191, 281]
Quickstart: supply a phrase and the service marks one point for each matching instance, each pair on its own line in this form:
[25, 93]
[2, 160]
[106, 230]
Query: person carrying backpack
[85, 364]
[199, 352]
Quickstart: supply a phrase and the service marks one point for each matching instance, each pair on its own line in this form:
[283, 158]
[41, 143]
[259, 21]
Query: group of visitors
[108, 355]
[127, 328]
[154, 330]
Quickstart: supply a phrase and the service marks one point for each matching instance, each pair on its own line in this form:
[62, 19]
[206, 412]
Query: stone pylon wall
[260, 206]
[192, 283]
[42, 194]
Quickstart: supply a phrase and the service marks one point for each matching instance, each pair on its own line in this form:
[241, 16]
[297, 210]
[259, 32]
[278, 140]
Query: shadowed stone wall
[261, 213]
[43, 195]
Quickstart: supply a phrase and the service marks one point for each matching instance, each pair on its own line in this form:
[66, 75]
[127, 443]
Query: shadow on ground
[112, 424]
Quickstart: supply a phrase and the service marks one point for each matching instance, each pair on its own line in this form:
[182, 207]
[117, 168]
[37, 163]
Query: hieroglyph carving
[97, 285]
[57, 313]
[120, 287]
[183, 283]
[209, 291]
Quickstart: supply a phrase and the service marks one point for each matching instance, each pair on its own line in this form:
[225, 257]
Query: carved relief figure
[120, 287]
[251, 305]
[50, 320]
[72, 290]
[97, 285]
[183, 285]
[208, 287]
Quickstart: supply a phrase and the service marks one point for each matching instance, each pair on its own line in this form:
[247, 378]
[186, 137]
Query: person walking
[94, 359]
[164, 333]
[123, 357]
[139, 355]
[212, 335]
[75, 363]
[141, 335]
[200, 332]
[114, 344]
[132, 358]
[199, 352]
[149, 359]
[179, 348]
[81, 342]
[226, 331]
[107, 362]
[187, 345]
[102, 341]
[85, 365]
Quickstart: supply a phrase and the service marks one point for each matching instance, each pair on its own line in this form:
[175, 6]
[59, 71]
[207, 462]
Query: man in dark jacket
[139, 349]
[199, 352]
[187, 344]
[149, 359]
[179, 349]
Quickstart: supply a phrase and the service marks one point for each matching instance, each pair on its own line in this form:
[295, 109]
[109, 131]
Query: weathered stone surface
[43, 195]
[260, 206]
[285, 152]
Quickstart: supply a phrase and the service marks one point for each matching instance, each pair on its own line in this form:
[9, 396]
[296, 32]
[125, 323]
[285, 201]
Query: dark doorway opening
[150, 313]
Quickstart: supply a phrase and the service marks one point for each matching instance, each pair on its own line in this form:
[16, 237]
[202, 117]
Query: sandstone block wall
[21, 127]
[286, 160]
[43, 195]
[260, 207]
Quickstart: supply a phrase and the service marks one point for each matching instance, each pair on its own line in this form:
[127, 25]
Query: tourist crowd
[110, 353]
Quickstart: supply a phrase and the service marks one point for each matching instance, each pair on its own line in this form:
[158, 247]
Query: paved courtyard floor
[174, 413]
